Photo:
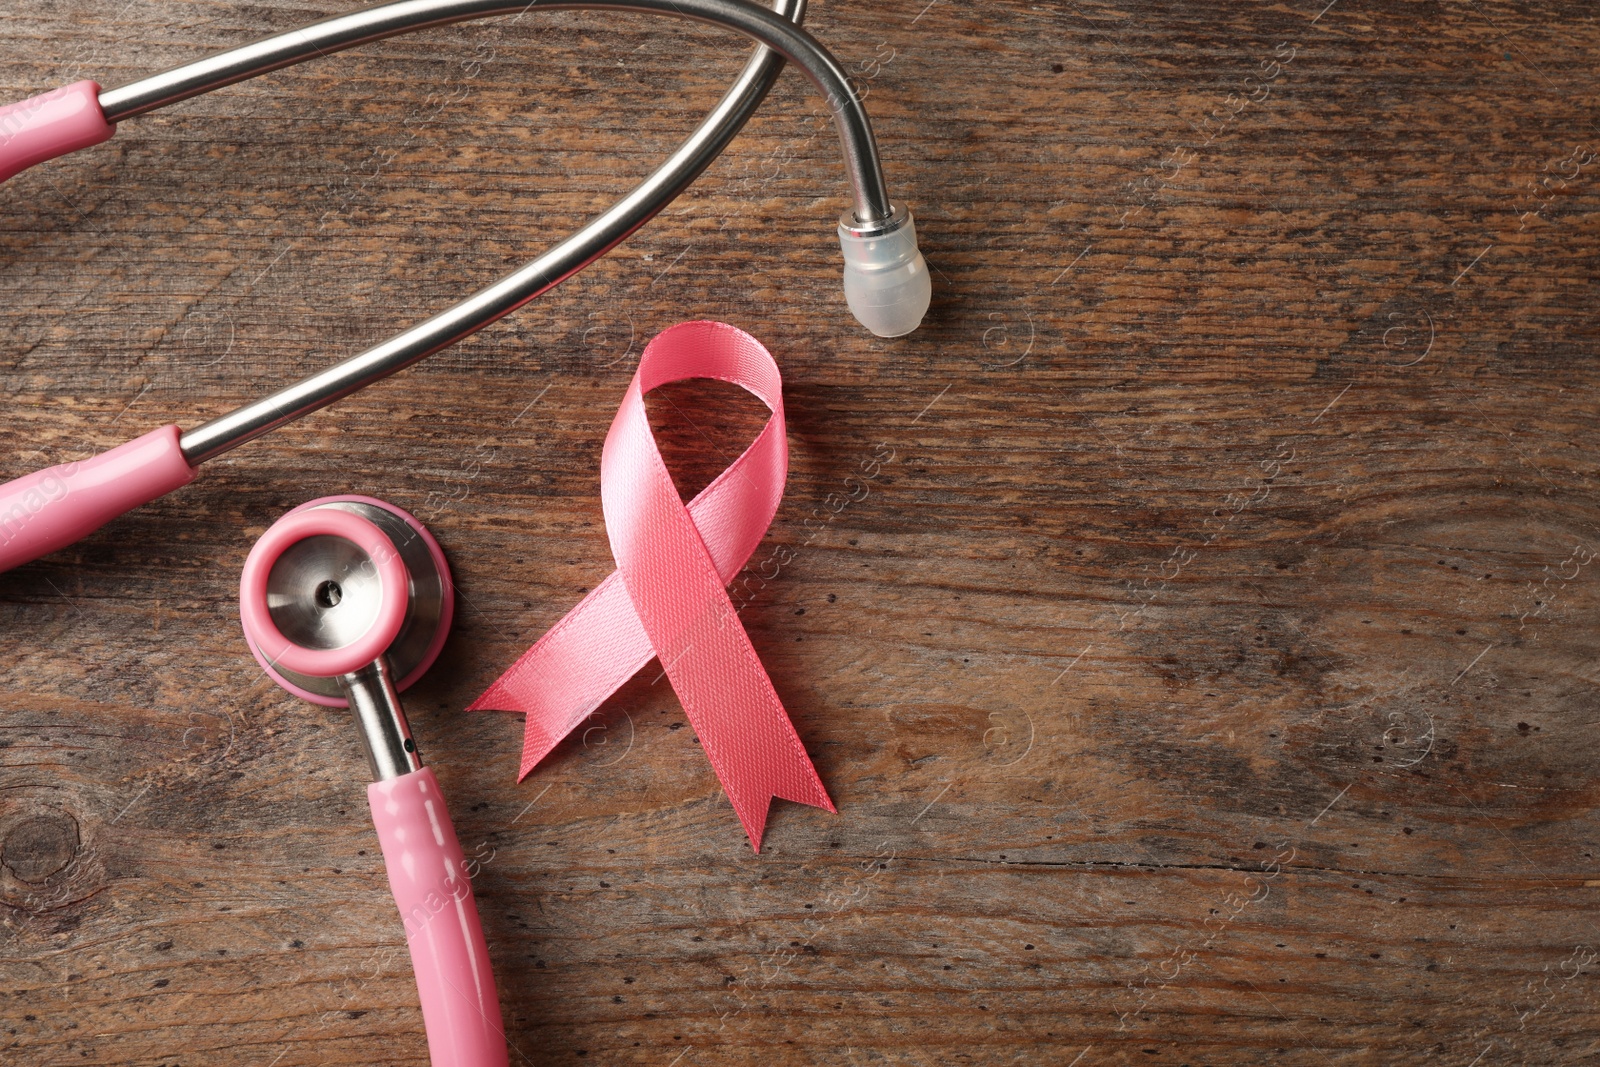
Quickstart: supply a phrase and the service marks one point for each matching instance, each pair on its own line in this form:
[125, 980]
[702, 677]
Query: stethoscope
[347, 600]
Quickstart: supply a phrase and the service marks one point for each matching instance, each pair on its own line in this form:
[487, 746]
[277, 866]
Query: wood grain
[1207, 678]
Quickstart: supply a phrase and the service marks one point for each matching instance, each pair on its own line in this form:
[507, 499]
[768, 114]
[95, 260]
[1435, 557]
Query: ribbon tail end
[494, 699]
[753, 809]
[536, 740]
[752, 812]
[536, 745]
[809, 791]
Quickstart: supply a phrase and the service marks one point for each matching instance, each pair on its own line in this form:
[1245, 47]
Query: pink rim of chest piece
[256, 615]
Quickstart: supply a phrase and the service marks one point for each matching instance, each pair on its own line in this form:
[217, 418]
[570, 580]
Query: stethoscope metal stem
[385, 734]
[489, 305]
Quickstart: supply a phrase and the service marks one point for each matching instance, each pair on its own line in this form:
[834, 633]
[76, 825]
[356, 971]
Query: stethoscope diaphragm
[339, 582]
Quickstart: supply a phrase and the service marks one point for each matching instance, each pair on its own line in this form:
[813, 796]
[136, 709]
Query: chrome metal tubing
[385, 734]
[389, 20]
[515, 290]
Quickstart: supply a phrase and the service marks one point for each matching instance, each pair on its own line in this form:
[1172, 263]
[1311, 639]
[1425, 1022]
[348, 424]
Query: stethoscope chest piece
[345, 601]
[338, 584]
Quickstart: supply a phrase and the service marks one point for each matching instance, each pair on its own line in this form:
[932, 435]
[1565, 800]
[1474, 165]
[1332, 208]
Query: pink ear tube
[342, 595]
[51, 125]
[50, 509]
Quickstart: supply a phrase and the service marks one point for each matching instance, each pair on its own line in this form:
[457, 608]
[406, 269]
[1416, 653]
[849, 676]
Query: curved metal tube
[593, 241]
[388, 20]
[558, 264]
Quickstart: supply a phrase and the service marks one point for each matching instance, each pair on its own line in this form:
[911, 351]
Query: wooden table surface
[1205, 671]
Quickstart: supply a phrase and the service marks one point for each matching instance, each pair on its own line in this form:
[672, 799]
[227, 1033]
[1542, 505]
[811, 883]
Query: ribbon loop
[667, 598]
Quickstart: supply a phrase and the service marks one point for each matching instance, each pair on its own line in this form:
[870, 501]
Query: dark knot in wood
[40, 846]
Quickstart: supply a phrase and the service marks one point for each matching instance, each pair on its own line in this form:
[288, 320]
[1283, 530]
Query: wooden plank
[1204, 673]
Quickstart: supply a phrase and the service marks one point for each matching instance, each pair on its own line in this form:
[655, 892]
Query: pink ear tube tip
[54, 124]
[50, 509]
[432, 885]
[254, 612]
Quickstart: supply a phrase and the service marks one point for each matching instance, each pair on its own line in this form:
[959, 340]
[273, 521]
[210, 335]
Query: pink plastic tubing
[667, 597]
[52, 508]
[51, 125]
[432, 886]
[393, 586]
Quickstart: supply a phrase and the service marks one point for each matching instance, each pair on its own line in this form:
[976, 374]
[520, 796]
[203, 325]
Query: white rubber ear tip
[886, 279]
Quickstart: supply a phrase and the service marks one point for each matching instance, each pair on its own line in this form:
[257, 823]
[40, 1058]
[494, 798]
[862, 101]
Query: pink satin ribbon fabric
[667, 599]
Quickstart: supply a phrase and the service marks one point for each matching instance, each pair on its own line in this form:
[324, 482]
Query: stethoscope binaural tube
[338, 599]
[885, 277]
[766, 28]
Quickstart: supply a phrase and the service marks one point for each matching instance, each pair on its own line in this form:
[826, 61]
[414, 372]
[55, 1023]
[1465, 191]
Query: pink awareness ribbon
[668, 599]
